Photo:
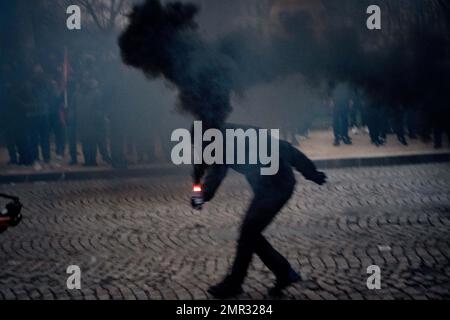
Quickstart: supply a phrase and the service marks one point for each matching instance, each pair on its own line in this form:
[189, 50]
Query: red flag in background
[64, 86]
[66, 69]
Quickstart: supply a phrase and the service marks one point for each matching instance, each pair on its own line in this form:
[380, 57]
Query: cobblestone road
[139, 239]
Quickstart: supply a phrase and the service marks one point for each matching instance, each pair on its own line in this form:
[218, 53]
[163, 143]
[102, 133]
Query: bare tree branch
[104, 15]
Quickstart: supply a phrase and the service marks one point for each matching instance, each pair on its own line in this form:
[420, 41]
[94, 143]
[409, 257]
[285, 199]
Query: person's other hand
[319, 177]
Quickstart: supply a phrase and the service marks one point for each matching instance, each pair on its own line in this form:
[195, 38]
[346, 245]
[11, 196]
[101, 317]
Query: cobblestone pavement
[139, 239]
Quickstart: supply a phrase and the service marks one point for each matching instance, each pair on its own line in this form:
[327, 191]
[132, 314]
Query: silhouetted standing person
[71, 117]
[341, 101]
[38, 116]
[398, 124]
[411, 123]
[57, 125]
[19, 125]
[91, 121]
[8, 115]
[374, 122]
[270, 195]
[117, 104]
[441, 123]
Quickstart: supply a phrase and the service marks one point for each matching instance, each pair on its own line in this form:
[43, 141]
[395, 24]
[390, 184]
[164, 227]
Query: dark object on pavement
[11, 215]
[197, 199]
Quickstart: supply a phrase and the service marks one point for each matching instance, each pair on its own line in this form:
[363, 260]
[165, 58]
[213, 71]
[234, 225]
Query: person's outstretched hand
[319, 177]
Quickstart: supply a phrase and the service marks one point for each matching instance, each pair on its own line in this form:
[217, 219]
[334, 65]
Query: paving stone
[139, 239]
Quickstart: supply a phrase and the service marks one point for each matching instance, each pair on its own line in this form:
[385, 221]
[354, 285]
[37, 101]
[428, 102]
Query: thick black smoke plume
[406, 64]
[162, 40]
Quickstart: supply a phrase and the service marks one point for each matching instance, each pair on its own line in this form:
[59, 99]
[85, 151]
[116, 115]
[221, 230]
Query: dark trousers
[117, 136]
[440, 126]
[58, 129]
[72, 135]
[102, 144]
[23, 145]
[365, 115]
[374, 122]
[39, 137]
[340, 123]
[17, 142]
[90, 148]
[383, 123]
[425, 125]
[262, 211]
[93, 141]
[398, 123]
[12, 144]
[411, 123]
[353, 115]
[89, 152]
[145, 150]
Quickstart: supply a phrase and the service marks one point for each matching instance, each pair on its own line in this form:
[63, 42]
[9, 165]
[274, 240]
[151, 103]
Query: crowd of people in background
[350, 111]
[27, 113]
[39, 105]
[44, 117]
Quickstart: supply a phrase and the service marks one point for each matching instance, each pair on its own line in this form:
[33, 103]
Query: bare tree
[104, 15]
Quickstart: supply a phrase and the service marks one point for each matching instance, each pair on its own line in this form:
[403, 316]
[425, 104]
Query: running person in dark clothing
[271, 193]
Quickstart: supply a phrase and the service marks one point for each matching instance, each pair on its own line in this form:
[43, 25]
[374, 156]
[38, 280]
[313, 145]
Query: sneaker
[226, 289]
[366, 130]
[37, 166]
[281, 284]
[347, 141]
[336, 143]
[355, 130]
[403, 141]
[107, 160]
[375, 142]
[90, 165]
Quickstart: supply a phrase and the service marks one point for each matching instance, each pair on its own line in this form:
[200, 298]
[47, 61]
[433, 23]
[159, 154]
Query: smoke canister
[197, 197]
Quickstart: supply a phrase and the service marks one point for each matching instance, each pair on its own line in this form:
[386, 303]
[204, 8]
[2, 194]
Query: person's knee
[255, 223]
[249, 233]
